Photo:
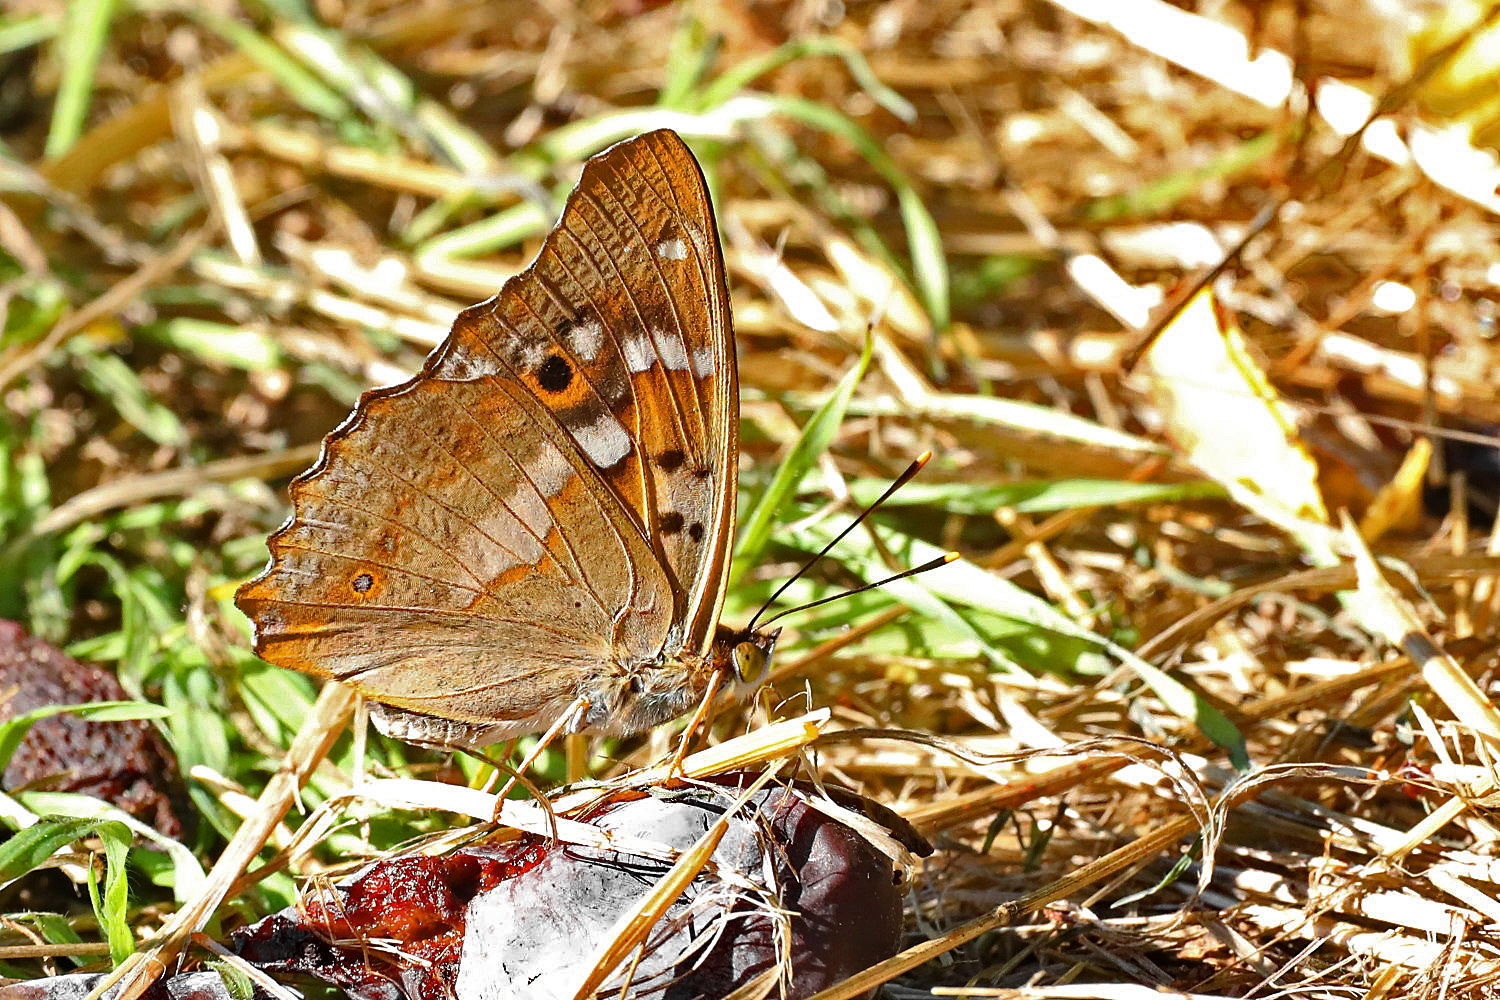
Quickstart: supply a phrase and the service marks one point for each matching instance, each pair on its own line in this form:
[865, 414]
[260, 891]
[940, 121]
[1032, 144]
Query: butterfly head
[745, 656]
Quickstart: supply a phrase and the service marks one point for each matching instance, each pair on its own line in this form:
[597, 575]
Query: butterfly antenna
[901, 480]
[941, 560]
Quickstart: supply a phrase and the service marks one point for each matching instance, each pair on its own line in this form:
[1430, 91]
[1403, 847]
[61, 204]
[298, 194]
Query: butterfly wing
[621, 328]
[553, 495]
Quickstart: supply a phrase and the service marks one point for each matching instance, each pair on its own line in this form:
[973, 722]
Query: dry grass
[1151, 654]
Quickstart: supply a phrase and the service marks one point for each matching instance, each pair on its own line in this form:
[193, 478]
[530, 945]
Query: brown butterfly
[536, 528]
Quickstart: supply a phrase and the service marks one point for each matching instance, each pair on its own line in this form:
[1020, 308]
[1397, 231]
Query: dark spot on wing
[563, 328]
[657, 316]
[363, 583]
[695, 531]
[555, 375]
[614, 387]
[702, 471]
[670, 460]
[671, 522]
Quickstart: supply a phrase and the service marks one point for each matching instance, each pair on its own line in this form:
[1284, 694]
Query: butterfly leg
[565, 722]
[700, 716]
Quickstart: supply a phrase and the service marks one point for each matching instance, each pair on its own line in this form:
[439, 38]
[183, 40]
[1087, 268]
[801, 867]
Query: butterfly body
[538, 523]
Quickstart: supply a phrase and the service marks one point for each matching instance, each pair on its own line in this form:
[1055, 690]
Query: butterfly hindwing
[452, 554]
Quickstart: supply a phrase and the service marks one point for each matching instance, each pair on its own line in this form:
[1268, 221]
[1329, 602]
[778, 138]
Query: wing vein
[408, 529]
[540, 539]
[666, 283]
[365, 560]
[582, 577]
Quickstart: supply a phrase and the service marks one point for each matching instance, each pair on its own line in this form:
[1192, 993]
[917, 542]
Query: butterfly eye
[749, 663]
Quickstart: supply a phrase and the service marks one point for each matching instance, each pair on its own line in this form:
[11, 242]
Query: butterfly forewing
[621, 328]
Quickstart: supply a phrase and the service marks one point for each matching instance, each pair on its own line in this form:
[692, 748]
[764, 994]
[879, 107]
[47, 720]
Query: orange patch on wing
[513, 575]
[625, 478]
[290, 646]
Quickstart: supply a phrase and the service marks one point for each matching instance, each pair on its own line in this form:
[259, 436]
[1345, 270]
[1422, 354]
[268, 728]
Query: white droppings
[673, 353]
[703, 362]
[603, 439]
[585, 339]
[639, 354]
[671, 249]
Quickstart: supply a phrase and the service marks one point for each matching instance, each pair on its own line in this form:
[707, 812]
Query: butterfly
[536, 528]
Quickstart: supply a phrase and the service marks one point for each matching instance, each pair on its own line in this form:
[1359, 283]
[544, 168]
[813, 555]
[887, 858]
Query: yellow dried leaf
[1399, 502]
[1220, 409]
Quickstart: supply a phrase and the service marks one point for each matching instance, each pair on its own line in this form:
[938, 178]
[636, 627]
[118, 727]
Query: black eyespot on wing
[670, 460]
[671, 522]
[556, 374]
[363, 583]
[695, 531]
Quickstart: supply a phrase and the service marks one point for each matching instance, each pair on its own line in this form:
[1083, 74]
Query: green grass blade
[296, 11]
[245, 347]
[928, 261]
[112, 908]
[742, 76]
[25, 851]
[1163, 195]
[1013, 414]
[116, 382]
[299, 83]
[463, 147]
[963, 583]
[81, 42]
[691, 53]
[966, 583]
[814, 440]
[13, 731]
[578, 140]
[504, 229]
[1039, 497]
[18, 33]
[53, 929]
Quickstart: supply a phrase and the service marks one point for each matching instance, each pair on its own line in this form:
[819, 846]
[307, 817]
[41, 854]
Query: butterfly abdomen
[645, 696]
